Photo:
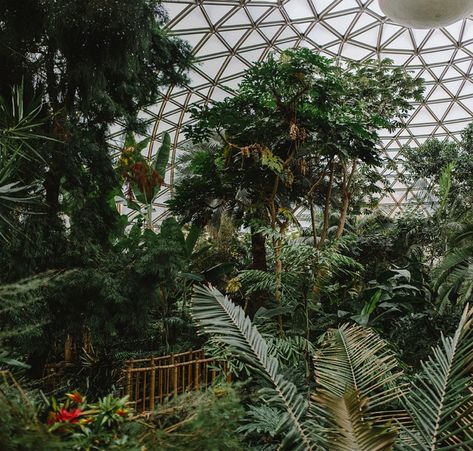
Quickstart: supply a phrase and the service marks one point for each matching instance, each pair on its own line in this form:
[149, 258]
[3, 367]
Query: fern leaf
[441, 401]
[222, 319]
[354, 358]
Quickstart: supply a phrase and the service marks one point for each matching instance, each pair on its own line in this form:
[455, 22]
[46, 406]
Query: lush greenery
[343, 328]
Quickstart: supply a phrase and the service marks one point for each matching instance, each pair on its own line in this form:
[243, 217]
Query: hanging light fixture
[426, 13]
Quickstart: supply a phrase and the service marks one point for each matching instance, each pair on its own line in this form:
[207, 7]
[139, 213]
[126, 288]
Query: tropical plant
[356, 403]
[93, 67]
[428, 163]
[23, 316]
[219, 317]
[357, 381]
[20, 428]
[143, 179]
[453, 277]
[19, 129]
[394, 294]
[440, 402]
[295, 133]
[197, 421]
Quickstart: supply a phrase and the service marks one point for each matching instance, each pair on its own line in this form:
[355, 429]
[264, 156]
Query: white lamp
[426, 13]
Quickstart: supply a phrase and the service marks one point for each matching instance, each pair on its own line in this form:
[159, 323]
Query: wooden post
[137, 388]
[68, 349]
[175, 368]
[143, 404]
[197, 375]
[227, 373]
[214, 373]
[153, 385]
[128, 384]
[167, 377]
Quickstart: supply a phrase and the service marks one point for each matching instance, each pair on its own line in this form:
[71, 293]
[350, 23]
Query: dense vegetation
[343, 328]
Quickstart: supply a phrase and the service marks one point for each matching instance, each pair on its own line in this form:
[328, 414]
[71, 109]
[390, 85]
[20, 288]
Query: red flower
[65, 416]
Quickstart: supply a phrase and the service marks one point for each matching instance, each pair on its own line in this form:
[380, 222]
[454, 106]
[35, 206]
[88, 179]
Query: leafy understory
[359, 388]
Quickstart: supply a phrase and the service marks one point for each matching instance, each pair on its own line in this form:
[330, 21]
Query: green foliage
[20, 429]
[358, 387]
[355, 359]
[18, 131]
[219, 317]
[143, 178]
[349, 429]
[429, 161]
[90, 65]
[22, 318]
[202, 420]
[441, 399]
[299, 130]
[261, 421]
[454, 275]
[112, 67]
[413, 334]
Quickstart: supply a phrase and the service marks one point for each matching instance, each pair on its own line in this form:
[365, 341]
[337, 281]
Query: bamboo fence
[153, 380]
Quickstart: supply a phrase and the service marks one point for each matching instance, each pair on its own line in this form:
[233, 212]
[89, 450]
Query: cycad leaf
[349, 429]
[441, 401]
[227, 322]
[354, 358]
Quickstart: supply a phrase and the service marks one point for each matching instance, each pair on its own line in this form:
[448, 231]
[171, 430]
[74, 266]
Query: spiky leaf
[441, 400]
[228, 323]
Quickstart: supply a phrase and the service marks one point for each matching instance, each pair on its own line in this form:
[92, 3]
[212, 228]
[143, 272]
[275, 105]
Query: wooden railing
[153, 380]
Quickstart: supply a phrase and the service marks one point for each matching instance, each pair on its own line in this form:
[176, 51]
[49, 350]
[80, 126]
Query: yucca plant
[19, 123]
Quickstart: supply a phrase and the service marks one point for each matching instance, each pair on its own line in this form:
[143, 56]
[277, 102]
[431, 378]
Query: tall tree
[92, 63]
[298, 131]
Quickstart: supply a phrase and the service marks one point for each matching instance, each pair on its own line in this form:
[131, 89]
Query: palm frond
[354, 358]
[349, 430]
[357, 381]
[261, 420]
[222, 319]
[441, 400]
[454, 275]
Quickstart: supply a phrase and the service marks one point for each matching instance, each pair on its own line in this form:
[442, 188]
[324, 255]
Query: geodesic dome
[229, 35]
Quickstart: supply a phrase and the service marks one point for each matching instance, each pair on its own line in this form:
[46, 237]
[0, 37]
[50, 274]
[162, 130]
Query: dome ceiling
[229, 35]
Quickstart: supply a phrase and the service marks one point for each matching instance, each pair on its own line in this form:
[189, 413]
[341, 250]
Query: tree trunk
[343, 214]
[314, 224]
[52, 187]
[258, 251]
[328, 200]
[277, 244]
[346, 187]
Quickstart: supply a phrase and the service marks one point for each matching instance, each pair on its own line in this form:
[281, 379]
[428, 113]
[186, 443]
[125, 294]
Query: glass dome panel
[230, 35]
